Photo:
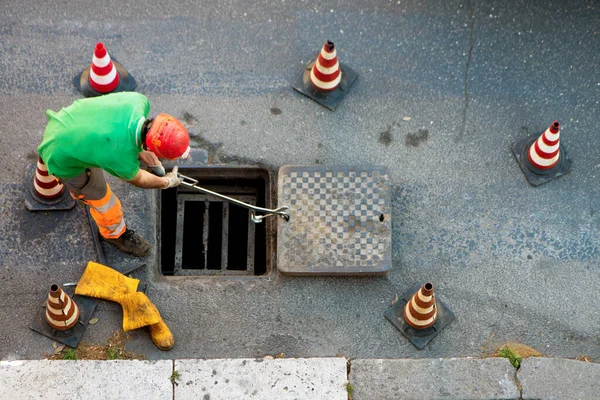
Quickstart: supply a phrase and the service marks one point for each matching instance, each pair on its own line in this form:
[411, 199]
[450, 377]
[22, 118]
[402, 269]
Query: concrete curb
[300, 378]
[559, 378]
[308, 378]
[86, 379]
[462, 378]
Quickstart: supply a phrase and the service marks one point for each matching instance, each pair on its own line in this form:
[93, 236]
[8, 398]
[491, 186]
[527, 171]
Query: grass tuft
[513, 357]
[112, 353]
[175, 376]
[350, 390]
[69, 354]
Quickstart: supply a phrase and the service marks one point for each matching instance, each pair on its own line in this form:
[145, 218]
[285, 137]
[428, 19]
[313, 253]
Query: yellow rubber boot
[161, 335]
[139, 311]
[105, 283]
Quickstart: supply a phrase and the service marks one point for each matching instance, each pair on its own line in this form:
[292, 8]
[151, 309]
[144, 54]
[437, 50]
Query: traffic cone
[45, 192]
[419, 315]
[542, 158]
[326, 80]
[421, 311]
[544, 153]
[104, 75]
[62, 312]
[325, 74]
[46, 186]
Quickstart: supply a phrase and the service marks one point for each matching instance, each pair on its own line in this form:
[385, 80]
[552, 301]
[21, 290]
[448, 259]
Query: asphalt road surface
[444, 90]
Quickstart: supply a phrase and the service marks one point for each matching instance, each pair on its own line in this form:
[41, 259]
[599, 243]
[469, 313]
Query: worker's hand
[173, 179]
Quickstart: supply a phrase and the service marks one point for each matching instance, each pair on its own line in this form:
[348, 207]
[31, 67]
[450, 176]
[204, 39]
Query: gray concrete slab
[454, 378]
[556, 379]
[86, 379]
[231, 379]
[444, 89]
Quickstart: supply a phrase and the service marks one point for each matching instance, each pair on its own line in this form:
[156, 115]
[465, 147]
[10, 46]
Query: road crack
[471, 16]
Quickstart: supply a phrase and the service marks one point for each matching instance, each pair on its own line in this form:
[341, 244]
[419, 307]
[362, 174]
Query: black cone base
[33, 202]
[330, 99]
[126, 82]
[418, 337]
[70, 337]
[534, 175]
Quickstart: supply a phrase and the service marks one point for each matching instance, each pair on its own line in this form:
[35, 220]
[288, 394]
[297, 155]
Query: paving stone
[86, 379]
[453, 378]
[281, 379]
[559, 378]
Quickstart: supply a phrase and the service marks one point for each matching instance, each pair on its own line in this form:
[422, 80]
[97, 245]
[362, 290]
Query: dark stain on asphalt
[385, 137]
[243, 123]
[319, 145]
[213, 149]
[275, 111]
[415, 139]
[189, 118]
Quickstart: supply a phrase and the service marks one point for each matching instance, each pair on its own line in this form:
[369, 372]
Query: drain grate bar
[225, 237]
[205, 230]
[250, 245]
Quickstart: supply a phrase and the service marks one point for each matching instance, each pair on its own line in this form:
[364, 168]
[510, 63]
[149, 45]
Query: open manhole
[204, 235]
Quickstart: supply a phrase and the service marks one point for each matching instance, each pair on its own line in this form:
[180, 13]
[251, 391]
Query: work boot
[131, 243]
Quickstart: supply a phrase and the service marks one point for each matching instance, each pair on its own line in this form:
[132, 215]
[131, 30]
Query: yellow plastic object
[105, 283]
[138, 311]
[161, 335]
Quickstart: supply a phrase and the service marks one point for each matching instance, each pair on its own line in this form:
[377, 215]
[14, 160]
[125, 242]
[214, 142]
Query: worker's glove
[173, 179]
[157, 170]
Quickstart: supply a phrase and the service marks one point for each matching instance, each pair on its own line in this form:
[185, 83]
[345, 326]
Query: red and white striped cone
[46, 186]
[545, 152]
[62, 312]
[104, 77]
[326, 73]
[421, 311]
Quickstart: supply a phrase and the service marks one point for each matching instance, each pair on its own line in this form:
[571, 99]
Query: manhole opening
[204, 235]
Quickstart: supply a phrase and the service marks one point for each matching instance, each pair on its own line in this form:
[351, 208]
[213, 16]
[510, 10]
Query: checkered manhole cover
[340, 220]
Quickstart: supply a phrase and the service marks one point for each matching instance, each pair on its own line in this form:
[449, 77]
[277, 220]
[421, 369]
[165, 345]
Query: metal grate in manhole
[202, 235]
[204, 227]
[340, 220]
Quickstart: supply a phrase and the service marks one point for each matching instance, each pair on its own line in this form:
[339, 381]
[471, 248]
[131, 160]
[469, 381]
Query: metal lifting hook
[283, 212]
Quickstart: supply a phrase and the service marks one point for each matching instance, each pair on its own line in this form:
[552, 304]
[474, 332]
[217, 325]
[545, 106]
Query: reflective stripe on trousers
[108, 214]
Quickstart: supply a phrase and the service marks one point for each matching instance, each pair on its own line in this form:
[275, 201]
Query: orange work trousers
[91, 188]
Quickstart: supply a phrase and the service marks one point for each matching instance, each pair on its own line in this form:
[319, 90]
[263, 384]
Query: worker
[112, 133]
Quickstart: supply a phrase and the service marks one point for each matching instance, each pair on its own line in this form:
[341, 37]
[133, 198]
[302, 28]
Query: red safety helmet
[168, 138]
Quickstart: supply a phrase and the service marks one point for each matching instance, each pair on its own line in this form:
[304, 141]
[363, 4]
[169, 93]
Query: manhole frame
[223, 173]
